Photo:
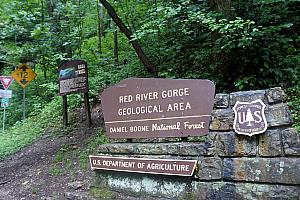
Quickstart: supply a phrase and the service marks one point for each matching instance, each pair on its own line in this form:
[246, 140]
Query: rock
[244, 191]
[271, 170]
[209, 168]
[192, 149]
[230, 144]
[276, 95]
[247, 96]
[76, 185]
[291, 142]
[77, 196]
[221, 101]
[278, 115]
[222, 120]
[270, 143]
[140, 148]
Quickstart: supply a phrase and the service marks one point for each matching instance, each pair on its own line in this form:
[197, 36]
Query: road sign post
[23, 75]
[4, 104]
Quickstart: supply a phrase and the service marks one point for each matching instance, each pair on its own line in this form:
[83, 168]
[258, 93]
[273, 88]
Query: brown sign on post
[148, 108]
[73, 77]
[141, 165]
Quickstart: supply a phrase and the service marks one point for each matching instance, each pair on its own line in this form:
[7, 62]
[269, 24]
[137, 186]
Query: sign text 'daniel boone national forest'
[145, 108]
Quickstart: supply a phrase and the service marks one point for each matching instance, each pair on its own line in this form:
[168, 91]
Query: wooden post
[88, 109]
[65, 111]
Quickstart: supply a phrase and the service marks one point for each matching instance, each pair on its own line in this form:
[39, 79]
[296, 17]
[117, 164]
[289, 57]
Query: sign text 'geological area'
[144, 108]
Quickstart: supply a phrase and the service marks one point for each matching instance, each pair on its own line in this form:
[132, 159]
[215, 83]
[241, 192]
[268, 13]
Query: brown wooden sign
[141, 165]
[73, 77]
[148, 108]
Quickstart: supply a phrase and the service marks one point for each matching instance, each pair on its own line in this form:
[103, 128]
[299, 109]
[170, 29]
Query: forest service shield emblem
[249, 118]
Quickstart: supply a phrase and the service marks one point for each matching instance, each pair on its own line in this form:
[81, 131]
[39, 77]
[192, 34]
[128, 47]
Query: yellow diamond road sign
[23, 75]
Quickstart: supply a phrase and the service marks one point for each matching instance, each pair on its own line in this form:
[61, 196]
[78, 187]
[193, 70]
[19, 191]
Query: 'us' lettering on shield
[250, 117]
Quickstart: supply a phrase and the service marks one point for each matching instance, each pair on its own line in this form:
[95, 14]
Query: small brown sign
[141, 165]
[250, 117]
[148, 108]
[73, 77]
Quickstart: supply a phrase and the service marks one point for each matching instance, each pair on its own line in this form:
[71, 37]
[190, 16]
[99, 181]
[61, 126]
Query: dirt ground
[27, 174]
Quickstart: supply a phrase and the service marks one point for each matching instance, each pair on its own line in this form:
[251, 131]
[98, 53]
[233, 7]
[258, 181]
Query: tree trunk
[144, 59]
[99, 14]
[116, 49]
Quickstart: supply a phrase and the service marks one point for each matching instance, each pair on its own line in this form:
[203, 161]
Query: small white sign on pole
[5, 93]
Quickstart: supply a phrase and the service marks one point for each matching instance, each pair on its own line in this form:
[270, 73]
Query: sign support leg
[87, 108]
[65, 111]
[24, 115]
[3, 119]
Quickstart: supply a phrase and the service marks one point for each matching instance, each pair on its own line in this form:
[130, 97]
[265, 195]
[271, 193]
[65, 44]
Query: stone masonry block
[116, 148]
[247, 96]
[278, 115]
[192, 149]
[221, 101]
[158, 149]
[270, 143]
[222, 120]
[140, 148]
[264, 170]
[209, 168]
[244, 191]
[230, 144]
[275, 95]
[291, 141]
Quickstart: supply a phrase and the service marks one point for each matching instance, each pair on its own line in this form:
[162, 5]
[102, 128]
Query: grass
[25, 132]
[66, 156]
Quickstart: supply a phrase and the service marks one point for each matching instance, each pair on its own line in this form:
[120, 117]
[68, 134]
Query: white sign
[5, 93]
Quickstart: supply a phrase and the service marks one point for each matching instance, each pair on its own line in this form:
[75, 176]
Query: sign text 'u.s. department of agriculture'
[141, 165]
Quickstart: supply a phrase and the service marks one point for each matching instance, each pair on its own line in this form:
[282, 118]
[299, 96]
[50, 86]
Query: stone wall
[230, 166]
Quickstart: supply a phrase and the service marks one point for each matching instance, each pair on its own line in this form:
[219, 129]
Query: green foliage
[294, 104]
[240, 45]
[23, 133]
[237, 45]
[65, 157]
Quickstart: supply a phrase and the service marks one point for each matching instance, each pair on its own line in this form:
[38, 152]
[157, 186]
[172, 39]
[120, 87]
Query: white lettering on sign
[140, 165]
[73, 84]
[175, 93]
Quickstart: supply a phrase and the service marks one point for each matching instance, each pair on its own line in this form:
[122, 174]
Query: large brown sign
[148, 108]
[73, 77]
[141, 165]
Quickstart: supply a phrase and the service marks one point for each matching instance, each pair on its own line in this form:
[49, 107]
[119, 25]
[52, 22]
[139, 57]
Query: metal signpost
[23, 75]
[4, 105]
[5, 95]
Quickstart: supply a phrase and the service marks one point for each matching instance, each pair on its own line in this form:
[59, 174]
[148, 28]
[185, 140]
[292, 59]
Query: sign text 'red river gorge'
[142, 108]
